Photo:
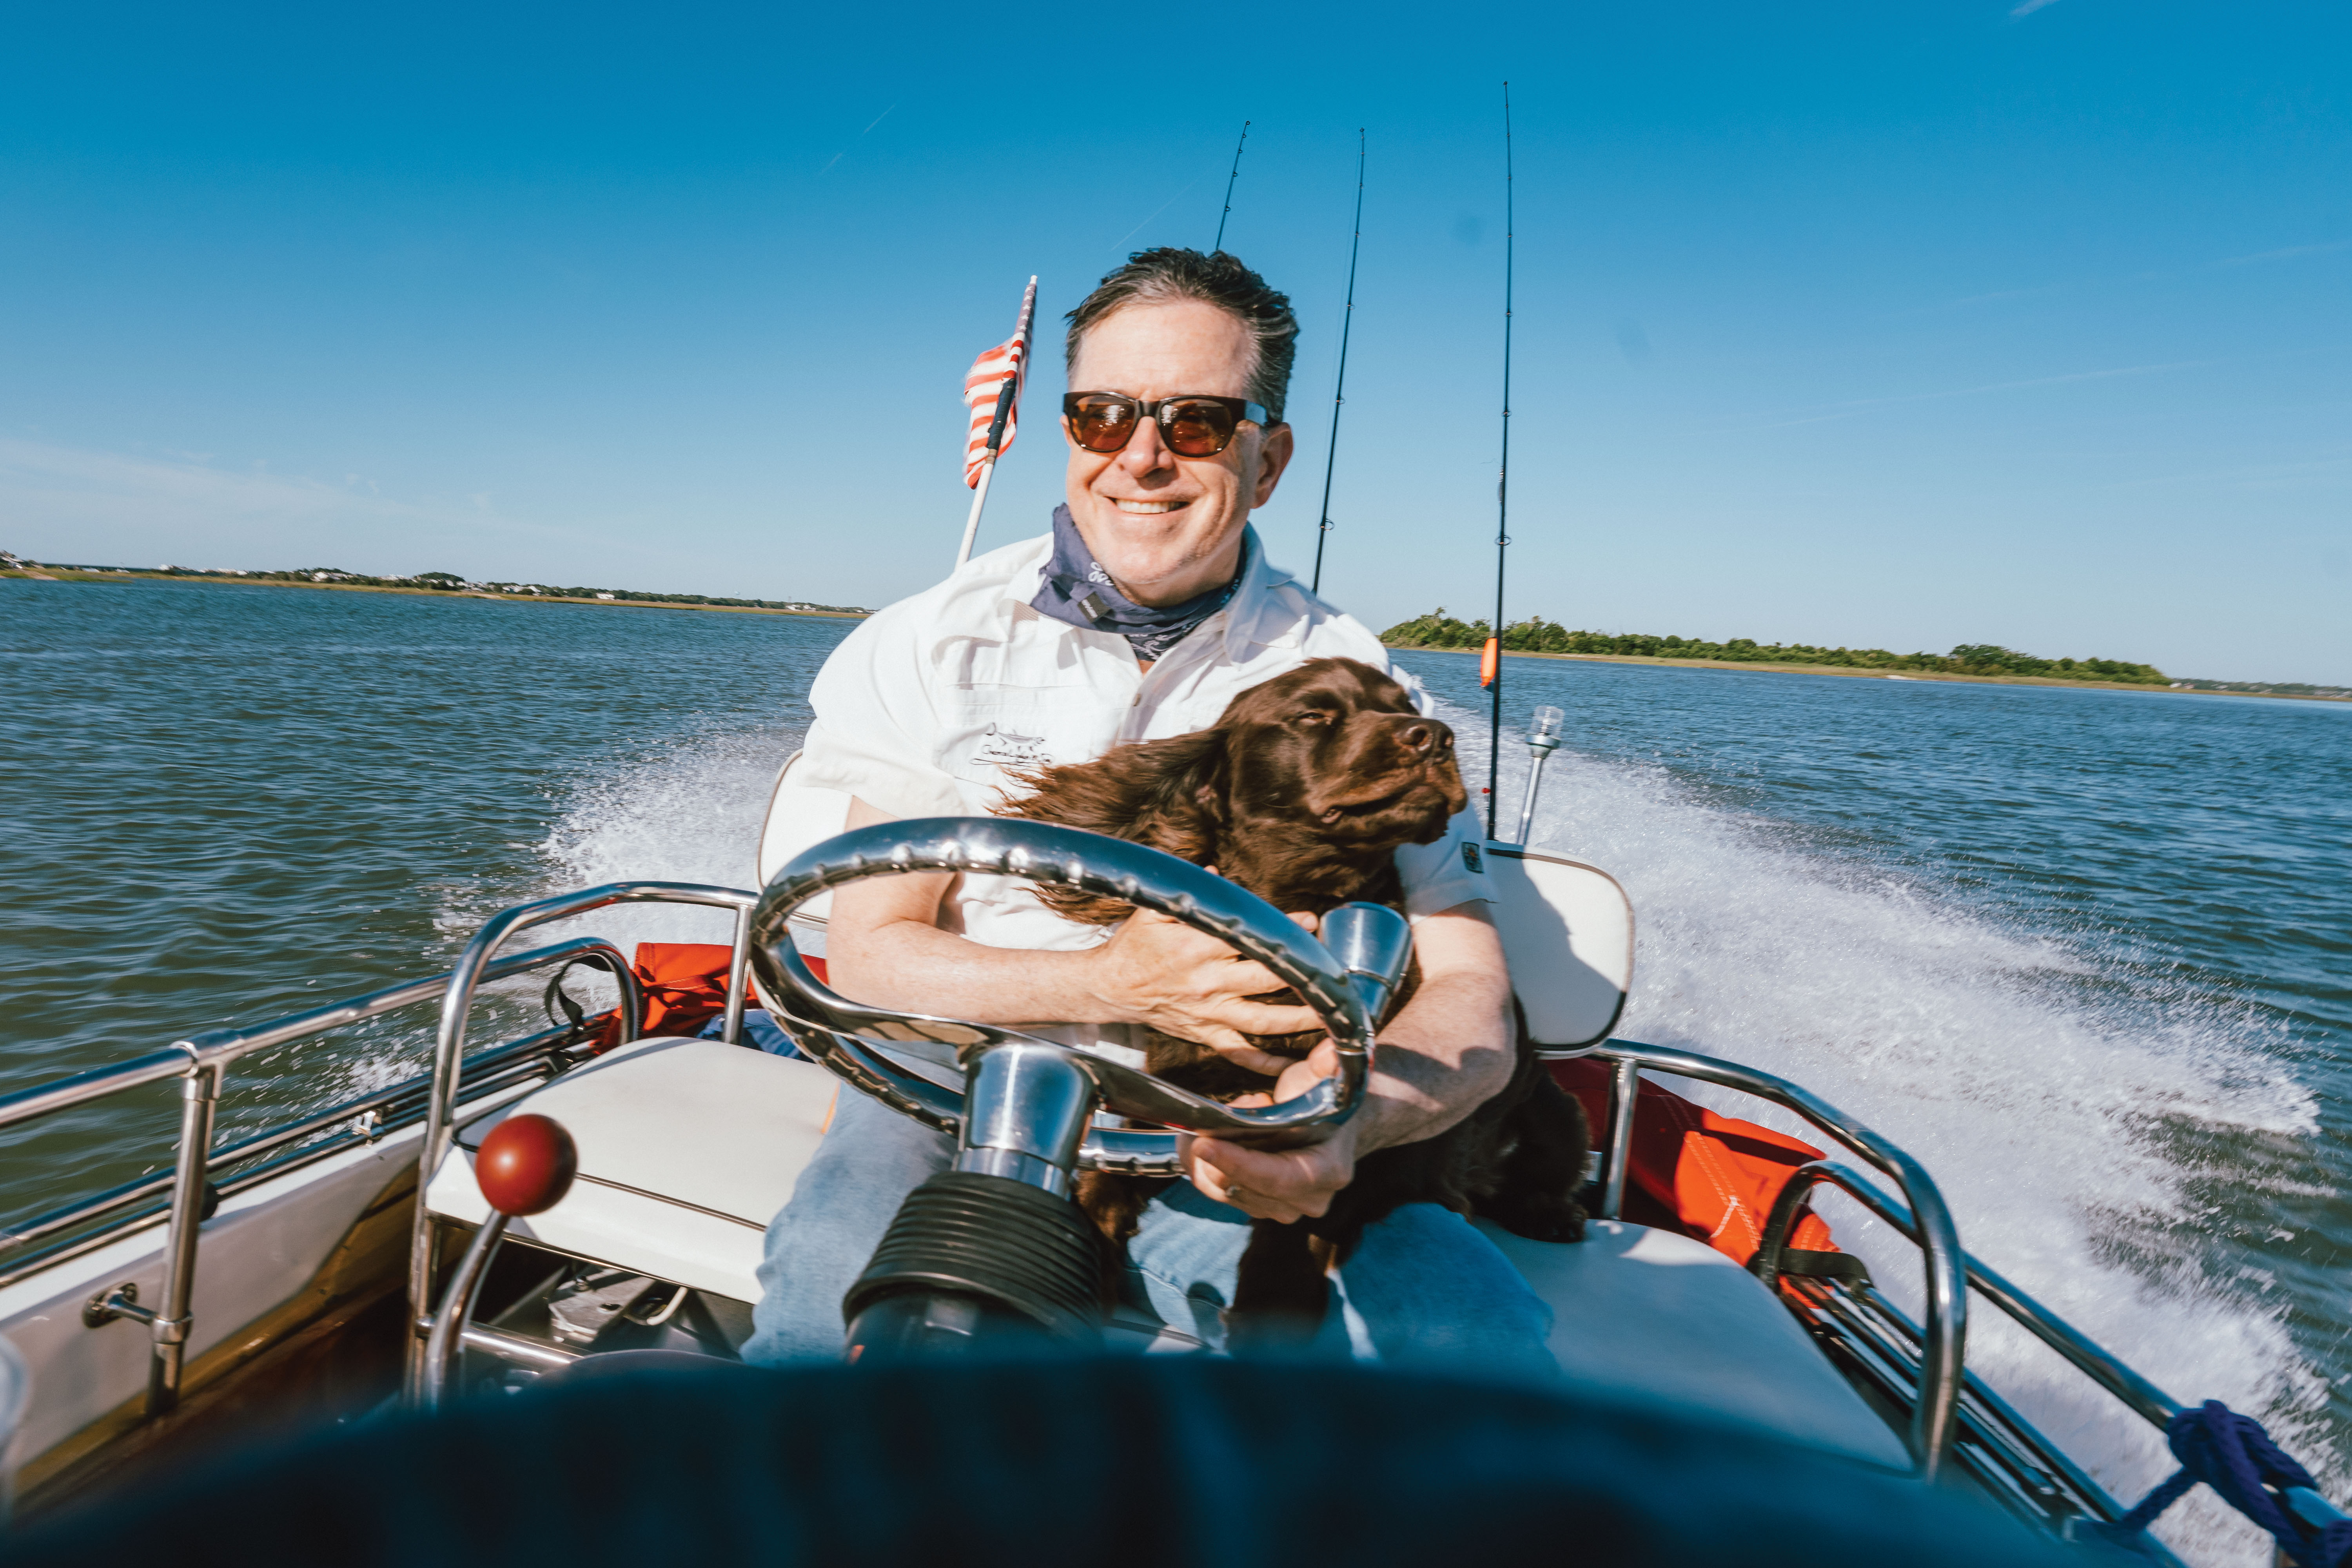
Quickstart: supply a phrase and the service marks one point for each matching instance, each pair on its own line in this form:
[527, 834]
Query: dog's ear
[1190, 811]
[1167, 793]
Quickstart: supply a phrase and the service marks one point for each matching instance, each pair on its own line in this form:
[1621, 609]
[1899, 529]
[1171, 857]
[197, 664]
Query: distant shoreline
[62, 576]
[1776, 669]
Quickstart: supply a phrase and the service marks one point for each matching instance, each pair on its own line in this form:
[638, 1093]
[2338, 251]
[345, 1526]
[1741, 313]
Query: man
[1148, 607]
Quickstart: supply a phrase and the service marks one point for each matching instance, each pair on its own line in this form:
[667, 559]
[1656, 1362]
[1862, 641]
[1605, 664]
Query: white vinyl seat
[688, 1149]
[1568, 935]
[1651, 1317]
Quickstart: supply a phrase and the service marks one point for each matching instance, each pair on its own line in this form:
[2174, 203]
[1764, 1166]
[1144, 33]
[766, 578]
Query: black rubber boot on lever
[981, 1264]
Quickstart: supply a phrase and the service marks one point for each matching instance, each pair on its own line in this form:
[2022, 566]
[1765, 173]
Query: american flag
[983, 384]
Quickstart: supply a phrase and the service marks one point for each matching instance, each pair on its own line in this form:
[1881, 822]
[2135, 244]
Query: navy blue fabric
[1137, 1461]
[1074, 586]
[760, 1031]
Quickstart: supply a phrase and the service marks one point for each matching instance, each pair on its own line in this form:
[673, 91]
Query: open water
[2087, 954]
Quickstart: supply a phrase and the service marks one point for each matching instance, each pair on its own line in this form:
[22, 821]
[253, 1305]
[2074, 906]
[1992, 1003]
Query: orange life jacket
[1714, 1178]
[684, 985]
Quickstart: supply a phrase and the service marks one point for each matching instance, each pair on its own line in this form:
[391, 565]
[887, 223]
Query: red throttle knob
[526, 1165]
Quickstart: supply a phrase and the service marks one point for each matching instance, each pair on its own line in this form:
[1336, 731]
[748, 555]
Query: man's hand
[1282, 1184]
[1440, 1057]
[1182, 982]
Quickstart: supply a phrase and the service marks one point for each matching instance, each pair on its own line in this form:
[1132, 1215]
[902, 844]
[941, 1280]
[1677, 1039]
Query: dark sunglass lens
[1197, 430]
[1103, 425]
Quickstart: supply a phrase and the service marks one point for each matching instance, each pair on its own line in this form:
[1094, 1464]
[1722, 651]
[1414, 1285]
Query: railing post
[457, 1310]
[199, 1098]
[1943, 1318]
[738, 977]
[1624, 1090]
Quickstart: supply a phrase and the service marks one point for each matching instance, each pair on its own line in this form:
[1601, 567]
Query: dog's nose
[1427, 737]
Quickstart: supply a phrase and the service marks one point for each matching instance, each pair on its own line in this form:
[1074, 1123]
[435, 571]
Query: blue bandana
[1078, 591]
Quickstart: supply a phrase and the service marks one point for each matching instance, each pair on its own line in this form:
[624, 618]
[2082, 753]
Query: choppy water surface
[227, 804]
[2089, 954]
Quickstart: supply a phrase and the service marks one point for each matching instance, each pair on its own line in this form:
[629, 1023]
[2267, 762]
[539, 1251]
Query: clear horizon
[2021, 324]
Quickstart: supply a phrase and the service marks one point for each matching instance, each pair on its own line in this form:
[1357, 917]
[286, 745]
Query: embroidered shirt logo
[1470, 859]
[1004, 749]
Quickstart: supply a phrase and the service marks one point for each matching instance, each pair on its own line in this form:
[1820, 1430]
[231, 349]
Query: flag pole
[1006, 396]
[979, 496]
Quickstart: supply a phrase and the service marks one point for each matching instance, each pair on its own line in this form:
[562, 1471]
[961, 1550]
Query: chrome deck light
[1543, 740]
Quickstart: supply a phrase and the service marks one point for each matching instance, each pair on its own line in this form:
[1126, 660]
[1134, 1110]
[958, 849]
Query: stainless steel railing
[1925, 1362]
[1945, 1334]
[2086, 1355]
[2012, 1459]
[201, 1063]
[476, 964]
[364, 1120]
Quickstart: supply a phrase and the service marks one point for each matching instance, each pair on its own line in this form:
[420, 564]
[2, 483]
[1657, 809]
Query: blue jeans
[1423, 1288]
[761, 1032]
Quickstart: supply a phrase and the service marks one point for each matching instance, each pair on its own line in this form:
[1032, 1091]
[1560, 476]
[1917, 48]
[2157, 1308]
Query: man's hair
[1169, 273]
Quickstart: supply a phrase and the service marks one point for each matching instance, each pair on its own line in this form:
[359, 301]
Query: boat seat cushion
[1648, 1315]
[1568, 935]
[689, 1148]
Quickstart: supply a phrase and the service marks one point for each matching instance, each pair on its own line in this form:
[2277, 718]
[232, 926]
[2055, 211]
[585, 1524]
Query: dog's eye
[1312, 717]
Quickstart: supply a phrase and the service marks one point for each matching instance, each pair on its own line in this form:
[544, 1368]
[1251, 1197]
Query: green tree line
[1536, 635]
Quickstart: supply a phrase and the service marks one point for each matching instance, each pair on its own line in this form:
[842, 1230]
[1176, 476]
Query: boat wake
[688, 813]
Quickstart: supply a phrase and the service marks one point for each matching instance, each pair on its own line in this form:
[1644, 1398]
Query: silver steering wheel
[1025, 1107]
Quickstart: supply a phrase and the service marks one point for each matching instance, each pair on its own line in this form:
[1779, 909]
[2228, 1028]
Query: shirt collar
[1258, 615]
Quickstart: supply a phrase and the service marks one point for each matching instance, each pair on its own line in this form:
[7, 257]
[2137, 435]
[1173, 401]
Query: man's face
[1167, 527]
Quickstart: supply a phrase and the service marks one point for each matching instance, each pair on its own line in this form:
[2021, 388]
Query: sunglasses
[1191, 425]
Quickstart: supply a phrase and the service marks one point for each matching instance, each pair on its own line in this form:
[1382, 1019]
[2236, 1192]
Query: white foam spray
[688, 811]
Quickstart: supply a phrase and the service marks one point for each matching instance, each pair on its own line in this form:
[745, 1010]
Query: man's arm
[1448, 1052]
[886, 949]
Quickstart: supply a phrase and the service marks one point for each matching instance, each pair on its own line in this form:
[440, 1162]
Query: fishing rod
[1229, 190]
[1490, 672]
[1339, 393]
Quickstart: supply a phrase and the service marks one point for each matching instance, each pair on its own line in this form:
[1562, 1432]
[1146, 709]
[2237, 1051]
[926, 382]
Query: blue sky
[1897, 326]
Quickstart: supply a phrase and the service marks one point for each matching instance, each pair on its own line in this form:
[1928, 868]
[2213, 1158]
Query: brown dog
[1302, 793]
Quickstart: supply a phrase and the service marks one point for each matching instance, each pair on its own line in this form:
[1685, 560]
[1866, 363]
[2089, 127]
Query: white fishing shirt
[924, 707]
